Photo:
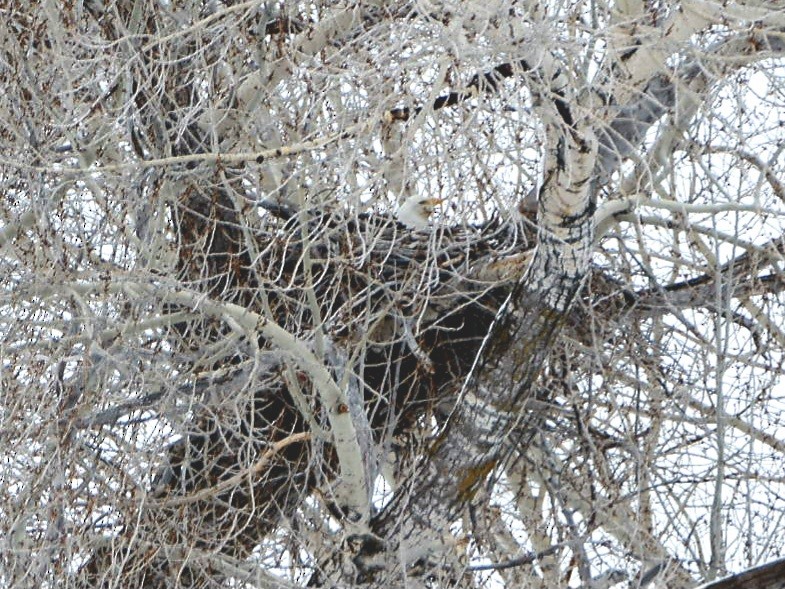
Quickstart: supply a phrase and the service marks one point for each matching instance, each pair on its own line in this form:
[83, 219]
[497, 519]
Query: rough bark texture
[768, 576]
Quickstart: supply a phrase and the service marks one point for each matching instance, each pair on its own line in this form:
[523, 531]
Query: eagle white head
[416, 210]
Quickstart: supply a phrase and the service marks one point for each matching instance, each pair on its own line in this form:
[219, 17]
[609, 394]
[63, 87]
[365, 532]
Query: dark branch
[521, 560]
[479, 84]
[767, 576]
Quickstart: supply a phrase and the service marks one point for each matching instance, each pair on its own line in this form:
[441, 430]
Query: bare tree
[226, 362]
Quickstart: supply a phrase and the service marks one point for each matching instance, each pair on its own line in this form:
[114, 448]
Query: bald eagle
[416, 211]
